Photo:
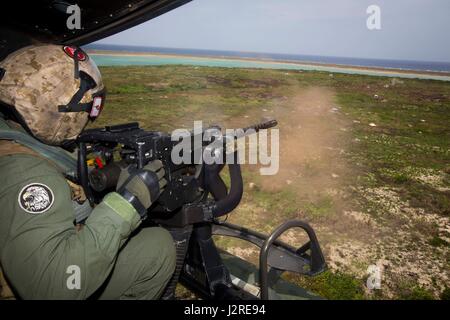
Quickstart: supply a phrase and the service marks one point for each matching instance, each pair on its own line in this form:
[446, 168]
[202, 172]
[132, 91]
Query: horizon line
[270, 53]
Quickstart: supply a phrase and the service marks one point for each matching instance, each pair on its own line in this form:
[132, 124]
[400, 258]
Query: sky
[410, 29]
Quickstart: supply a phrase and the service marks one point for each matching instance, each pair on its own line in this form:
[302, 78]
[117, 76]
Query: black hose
[234, 196]
[214, 182]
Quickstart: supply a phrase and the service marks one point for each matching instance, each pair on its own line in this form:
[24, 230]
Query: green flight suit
[44, 257]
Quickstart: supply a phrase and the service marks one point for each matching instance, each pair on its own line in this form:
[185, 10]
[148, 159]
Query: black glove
[141, 187]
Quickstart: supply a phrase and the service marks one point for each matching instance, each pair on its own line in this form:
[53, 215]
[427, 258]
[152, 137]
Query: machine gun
[194, 198]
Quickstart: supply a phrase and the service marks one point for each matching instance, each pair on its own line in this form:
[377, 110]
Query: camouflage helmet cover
[39, 78]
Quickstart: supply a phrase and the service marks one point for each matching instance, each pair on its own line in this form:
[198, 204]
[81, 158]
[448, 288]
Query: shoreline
[340, 67]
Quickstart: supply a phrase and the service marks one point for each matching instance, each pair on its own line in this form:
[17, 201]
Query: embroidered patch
[36, 198]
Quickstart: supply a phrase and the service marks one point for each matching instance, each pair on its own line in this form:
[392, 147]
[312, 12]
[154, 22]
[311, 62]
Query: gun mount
[195, 196]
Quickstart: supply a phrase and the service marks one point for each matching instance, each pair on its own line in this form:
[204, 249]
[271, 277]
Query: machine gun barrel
[230, 142]
[262, 125]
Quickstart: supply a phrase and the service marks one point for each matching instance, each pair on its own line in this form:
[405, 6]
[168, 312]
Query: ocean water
[213, 58]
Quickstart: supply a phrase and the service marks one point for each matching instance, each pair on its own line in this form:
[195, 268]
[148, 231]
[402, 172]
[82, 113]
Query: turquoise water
[128, 60]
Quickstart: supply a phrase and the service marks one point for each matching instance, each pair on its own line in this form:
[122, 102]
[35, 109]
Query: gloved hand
[141, 187]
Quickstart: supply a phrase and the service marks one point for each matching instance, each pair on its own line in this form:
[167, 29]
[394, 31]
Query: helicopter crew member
[48, 94]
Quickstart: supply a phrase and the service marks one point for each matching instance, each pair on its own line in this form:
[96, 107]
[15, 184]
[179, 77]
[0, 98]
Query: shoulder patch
[36, 198]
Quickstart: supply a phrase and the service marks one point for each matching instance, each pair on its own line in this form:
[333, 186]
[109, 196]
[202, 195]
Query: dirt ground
[365, 160]
[314, 139]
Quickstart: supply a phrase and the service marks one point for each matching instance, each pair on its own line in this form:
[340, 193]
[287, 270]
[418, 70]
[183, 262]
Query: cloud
[411, 29]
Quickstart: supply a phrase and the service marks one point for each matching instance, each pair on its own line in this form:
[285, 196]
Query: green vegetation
[178, 95]
[412, 136]
[445, 295]
[437, 242]
[334, 286]
[395, 136]
[415, 293]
